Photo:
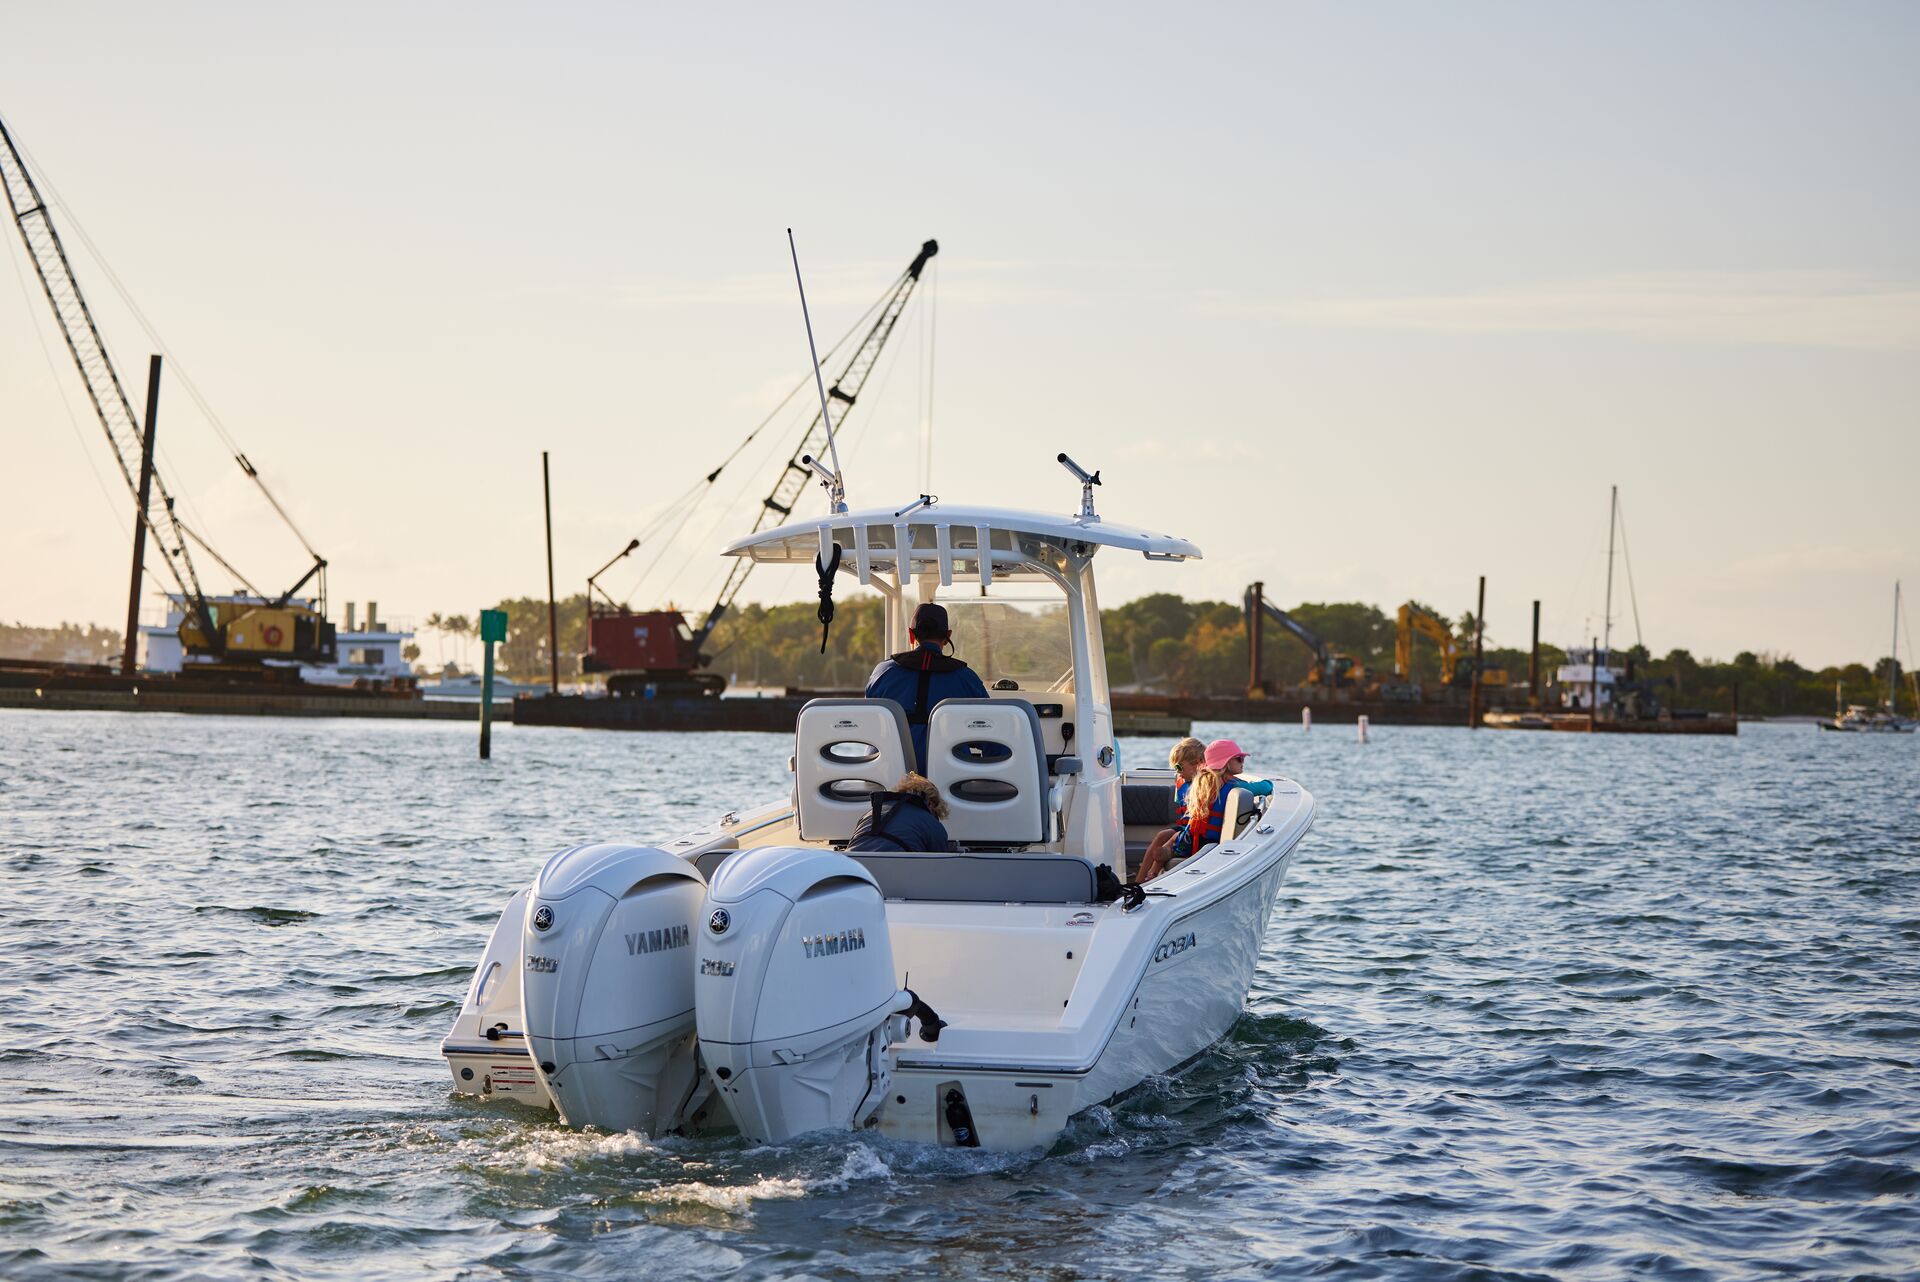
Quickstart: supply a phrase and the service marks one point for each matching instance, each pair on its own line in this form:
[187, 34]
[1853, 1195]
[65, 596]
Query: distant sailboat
[1886, 718]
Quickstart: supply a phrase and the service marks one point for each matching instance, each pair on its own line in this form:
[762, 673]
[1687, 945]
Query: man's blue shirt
[900, 682]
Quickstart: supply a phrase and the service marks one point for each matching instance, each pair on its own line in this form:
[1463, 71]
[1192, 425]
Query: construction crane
[657, 649]
[1456, 669]
[240, 629]
[1331, 668]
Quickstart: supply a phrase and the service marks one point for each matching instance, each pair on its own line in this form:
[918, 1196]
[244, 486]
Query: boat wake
[1229, 1087]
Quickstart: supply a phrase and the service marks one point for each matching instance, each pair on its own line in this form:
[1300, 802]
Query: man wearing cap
[924, 676]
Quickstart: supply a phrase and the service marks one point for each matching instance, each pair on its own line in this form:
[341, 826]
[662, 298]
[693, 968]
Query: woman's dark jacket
[903, 823]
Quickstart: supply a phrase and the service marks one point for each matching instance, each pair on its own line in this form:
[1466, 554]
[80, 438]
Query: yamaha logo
[656, 941]
[718, 921]
[833, 944]
[543, 918]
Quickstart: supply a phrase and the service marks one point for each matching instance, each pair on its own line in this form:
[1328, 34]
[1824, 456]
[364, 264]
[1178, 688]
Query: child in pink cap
[1207, 800]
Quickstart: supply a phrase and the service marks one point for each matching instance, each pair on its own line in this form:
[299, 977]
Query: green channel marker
[493, 627]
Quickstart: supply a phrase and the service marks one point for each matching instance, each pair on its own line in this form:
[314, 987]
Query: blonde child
[1207, 800]
[1186, 759]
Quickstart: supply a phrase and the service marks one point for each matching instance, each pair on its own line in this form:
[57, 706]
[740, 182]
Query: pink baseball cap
[1220, 752]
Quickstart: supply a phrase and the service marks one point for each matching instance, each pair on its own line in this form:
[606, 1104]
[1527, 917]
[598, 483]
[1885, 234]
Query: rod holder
[1087, 481]
[835, 487]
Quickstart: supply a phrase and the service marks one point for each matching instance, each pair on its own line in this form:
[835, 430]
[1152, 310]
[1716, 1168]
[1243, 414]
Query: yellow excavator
[248, 630]
[238, 631]
[1456, 669]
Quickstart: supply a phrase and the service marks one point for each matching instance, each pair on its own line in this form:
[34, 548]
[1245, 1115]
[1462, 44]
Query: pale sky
[1366, 300]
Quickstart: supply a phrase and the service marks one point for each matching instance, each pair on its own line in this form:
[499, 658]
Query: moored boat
[1885, 718]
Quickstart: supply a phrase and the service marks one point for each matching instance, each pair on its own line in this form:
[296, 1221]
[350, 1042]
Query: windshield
[1023, 641]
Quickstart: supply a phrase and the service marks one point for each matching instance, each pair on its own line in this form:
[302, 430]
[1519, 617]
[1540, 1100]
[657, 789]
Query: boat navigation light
[1087, 481]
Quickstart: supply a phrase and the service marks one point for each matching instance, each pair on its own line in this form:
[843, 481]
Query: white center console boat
[752, 976]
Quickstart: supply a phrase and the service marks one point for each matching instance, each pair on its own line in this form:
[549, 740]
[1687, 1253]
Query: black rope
[826, 571]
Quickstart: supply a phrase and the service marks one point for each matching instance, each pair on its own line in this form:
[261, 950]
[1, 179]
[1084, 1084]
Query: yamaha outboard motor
[607, 984]
[796, 997]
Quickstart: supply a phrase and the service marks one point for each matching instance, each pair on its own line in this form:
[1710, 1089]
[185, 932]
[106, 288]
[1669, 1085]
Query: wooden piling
[1479, 634]
[553, 615]
[1533, 666]
[1256, 616]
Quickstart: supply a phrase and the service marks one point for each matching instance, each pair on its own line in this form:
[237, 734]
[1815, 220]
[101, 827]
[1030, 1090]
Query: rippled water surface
[1530, 1006]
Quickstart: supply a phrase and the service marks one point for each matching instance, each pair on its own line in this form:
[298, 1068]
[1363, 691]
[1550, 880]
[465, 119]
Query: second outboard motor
[796, 997]
[607, 984]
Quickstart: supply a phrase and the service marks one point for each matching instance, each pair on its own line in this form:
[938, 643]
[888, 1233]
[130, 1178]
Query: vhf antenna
[831, 478]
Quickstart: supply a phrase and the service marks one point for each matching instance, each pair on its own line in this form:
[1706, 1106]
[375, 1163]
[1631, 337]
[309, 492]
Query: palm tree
[461, 626]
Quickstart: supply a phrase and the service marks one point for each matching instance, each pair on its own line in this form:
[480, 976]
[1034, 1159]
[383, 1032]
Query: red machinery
[640, 648]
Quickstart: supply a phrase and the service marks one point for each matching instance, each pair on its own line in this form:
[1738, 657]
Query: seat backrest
[1235, 814]
[1149, 803]
[990, 761]
[844, 749]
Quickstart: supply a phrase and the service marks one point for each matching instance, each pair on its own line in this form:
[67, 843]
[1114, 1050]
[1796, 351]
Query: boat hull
[1187, 1000]
[1154, 988]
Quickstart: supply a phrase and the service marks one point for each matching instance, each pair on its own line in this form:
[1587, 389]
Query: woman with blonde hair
[905, 819]
[1186, 759]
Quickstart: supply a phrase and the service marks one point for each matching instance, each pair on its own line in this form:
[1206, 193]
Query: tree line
[62, 643]
[1161, 643]
[1165, 643]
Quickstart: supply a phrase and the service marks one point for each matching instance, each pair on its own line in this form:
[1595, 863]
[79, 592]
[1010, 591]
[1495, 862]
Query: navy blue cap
[930, 622]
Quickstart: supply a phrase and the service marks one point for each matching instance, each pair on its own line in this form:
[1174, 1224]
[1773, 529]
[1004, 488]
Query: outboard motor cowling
[796, 998]
[607, 984]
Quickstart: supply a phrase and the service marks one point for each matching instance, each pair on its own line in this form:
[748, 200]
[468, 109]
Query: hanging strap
[917, 716]
[878, 827]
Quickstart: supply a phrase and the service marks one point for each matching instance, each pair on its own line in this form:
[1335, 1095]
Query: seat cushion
[983, 878]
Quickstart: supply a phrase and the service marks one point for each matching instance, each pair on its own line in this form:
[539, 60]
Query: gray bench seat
[983, 878]
[968, 878]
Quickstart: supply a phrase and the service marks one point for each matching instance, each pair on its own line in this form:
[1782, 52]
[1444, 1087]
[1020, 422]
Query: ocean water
[1530, 1006]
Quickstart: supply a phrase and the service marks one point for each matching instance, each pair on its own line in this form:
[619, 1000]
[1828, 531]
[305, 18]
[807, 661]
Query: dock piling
[1256, 679]
[553, 617]
[1533, 666]
[1479, 633]
[1593, 691]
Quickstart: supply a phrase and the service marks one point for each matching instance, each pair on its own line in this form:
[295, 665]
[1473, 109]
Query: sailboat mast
[1893, 661]
[1606, 620]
